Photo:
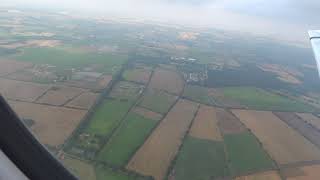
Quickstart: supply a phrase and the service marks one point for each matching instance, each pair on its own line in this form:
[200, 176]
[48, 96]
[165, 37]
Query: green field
[245, 154]
[200, 159]
[134, 73]
[262, 100]
[64, 58]
[157, 101]
[199, 94]
[126, 91]
[127, 139]
[107, 116]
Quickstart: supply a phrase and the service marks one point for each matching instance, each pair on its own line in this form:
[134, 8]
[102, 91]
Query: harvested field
[284, 144]
[103, 81]
[23, 91]
[308, 131]
[11, 66]
[167, 80]
[205, 125]
[157, 101]
[311, 172]
[53, 125]
[126, 140]
[245, 154]
[81, 169]
[140, 75]
[228, 123]
[269, 175]
[200, 159]
[147, 113]
[85, 100]
[154, 157]
[59, 95]
[311, 119]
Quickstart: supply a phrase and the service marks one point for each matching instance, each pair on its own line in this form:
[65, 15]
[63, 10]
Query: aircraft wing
[315, 42]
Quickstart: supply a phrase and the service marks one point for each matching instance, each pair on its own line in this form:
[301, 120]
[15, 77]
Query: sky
[284, 20]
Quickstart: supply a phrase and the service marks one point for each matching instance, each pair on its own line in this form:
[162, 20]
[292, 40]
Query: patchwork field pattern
[169, 81]
[59, 95]
[126, 139]
[308, 131]
[284, 144]
[84, 101]
[311, 119]
[157, 101]
[199, 94]
[53, 125]
[228, 123]
[126, 90]
[154, 157]
[138, 74]
[23, 91]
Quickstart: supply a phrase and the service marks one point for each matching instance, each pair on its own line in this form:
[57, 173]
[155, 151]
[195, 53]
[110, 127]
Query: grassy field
[63, 58]
[260, 99]
[200, 159]
[126, 90]
[157, 101]
[199, 94]
[127, 139]
[107, 116]
[245, 154]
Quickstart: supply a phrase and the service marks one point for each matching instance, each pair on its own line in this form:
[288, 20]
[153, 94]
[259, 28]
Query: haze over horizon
[284, 20]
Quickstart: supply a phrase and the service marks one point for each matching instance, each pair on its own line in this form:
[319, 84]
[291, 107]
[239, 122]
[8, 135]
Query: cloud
[286, 20]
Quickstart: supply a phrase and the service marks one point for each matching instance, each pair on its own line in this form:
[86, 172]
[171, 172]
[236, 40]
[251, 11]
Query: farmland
[167, 80]
[268, 175]
[199, 94]
[284, 144]
[245, 154]
[162, 145]
[200, 159]
[126, 140]
[157, 101]
[53, 125]
[107, 116]
[256, 98]
[139, 74]
[63, 58]
[124, 99]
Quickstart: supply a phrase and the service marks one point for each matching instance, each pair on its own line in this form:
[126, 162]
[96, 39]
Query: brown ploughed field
[11, 66]
[228, 123]
[311, 119]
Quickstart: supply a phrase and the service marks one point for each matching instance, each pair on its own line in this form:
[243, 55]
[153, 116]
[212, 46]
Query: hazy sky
[286, 20]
